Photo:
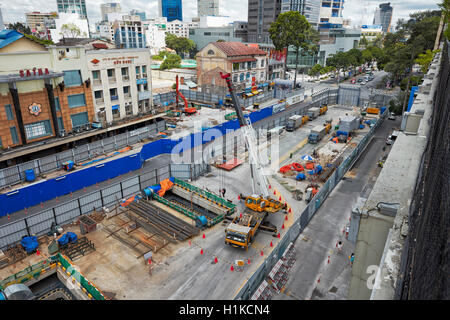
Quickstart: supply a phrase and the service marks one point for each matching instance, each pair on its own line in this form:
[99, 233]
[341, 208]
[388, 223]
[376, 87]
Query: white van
[277, 130]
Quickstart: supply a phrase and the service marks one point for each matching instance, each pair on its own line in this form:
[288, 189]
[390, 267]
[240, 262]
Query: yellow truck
[242, 230]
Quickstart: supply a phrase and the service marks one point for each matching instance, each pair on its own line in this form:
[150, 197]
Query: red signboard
[33, 72]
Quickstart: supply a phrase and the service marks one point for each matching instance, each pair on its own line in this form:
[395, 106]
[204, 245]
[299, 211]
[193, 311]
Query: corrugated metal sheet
[12, 228]
[38, 218]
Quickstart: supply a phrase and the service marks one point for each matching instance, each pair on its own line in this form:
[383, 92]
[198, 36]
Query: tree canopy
[180, 44]
[171, 61]
[71, 30]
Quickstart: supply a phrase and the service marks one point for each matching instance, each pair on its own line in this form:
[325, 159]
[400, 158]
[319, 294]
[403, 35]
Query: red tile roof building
[247, 65]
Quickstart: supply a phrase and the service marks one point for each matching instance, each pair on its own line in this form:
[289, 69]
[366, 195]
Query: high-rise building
[331, 12]
[72, 6]
[40, 23]
[207, 8]
[139, 13]
[260, 15]
[2, 25]
[171, 9]
[106, 8]
[311, 9]
[383, 16]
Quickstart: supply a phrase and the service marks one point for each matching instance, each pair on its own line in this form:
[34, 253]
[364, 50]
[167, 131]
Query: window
[254, 64]
[72, 78]
[110, 73]
[79, 119]
[262, 76]
[126, 90]
[210, 51]
[60, 124]
[138, 70]
[249, 65]
[98, 94]
[57, 104]
[9, 113]
[125, 71]
[241, 77]
[235, 66]
[113, 94]
[14, 136]
[76, 100]
[235, 78]
[262, 63]
[144, 69]
[95, 74]
[38, 129]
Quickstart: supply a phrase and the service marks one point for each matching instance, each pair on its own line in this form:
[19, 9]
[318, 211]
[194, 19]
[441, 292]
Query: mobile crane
[242, 230]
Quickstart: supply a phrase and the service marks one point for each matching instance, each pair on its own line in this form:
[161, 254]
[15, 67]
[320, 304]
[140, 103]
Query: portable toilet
[29, 175]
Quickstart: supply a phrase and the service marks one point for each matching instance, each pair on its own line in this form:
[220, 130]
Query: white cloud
[362, 11]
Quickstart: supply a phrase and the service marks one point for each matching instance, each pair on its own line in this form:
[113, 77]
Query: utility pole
[438, 35]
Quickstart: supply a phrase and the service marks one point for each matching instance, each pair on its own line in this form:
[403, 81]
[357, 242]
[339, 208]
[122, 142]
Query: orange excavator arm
[186, 107]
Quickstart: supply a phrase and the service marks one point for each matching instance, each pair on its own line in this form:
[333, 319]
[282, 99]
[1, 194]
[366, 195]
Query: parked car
[360, 80]
[391, 116]
[363, 83]
[353, 81]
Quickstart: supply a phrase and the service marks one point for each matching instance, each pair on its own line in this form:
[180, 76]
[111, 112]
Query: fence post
[28, 228]
[54, 215]
[121, 190]
[79, 206]
[139, 181]
[101, 198]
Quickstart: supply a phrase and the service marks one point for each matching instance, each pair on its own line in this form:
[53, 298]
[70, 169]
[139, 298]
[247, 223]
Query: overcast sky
[359, 11]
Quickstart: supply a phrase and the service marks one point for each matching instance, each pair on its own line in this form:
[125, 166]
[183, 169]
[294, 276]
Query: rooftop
[9, 36]
[238, 49]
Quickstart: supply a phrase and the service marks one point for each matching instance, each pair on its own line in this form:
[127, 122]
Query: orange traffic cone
[215, 260]
[149, 261]
[271, 244]
[282, 227]
[278, 235]
[232, 268]
[270, 186]
[262, 253]
[290, 210]
[240, 216]
[274, 192]
[279, 199]
[37, 252]
[248, 262]
[8, 216]
[201, 251]
[204, 236]
[239, 197]
[285, 217]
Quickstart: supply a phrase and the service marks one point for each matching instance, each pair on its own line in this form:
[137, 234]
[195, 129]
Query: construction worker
[352, 259]
[339, 246]
[223, 192]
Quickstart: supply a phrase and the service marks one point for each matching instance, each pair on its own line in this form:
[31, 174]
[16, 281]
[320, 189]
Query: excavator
[242, 230]
[187, 110]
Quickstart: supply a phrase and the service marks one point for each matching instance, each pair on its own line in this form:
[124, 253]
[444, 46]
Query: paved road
[318, 241]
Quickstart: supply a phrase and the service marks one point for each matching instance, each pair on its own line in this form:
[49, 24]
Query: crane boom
[250, 141]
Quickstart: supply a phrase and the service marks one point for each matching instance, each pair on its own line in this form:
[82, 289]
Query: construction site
[184, 238]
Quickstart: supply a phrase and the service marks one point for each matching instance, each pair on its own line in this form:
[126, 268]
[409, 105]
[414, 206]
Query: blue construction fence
[38, 192]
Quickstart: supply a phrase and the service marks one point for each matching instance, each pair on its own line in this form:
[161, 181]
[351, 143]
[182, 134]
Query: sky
[359, 11]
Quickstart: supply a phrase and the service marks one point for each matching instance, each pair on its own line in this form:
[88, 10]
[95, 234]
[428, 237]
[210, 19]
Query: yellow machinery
[323, 110]
[327, 127]
[305, 119]
[260, 204]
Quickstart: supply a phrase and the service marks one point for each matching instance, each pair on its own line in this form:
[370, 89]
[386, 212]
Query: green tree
[364, 42]
[171, 61]
[292, 29]
[445, 6]
[366, 56]
[180, 44]
[71, 30]
[425, 59]
[21, 28]
[315, 70]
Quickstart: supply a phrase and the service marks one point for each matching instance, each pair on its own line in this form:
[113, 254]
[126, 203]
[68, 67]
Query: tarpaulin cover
[64, 239]
[309, 165]
[29, 243]
[300, 176]
[166, 184]
[293, 166]
[72, 237]
[129, 200]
